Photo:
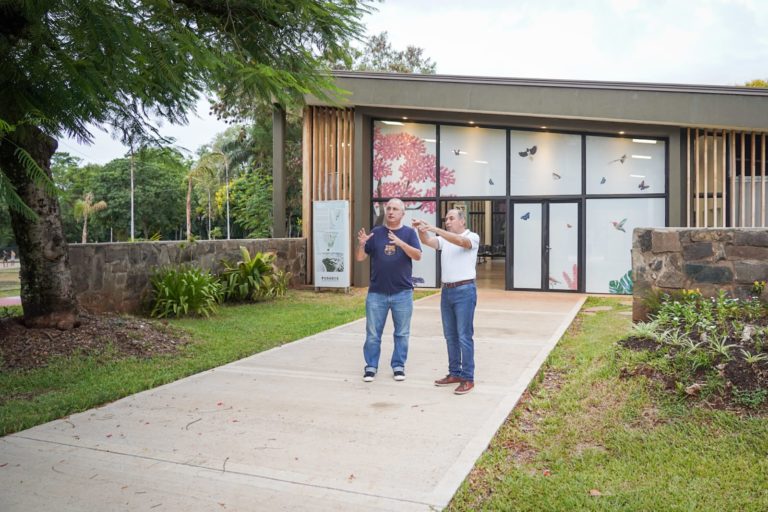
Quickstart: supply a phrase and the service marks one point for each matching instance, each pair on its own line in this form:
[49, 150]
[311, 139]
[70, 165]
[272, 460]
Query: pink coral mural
[572, 280]
[402, 167]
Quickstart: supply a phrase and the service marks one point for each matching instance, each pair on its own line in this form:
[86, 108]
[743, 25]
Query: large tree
[378, 55]
[67, 63]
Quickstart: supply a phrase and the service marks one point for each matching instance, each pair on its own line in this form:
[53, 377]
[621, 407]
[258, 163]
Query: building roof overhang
[700, 106]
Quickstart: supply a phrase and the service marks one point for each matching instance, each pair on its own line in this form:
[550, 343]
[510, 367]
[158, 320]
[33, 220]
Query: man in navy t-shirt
[392, 248]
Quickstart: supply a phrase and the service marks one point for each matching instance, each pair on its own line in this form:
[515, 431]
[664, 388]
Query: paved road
[294, 428]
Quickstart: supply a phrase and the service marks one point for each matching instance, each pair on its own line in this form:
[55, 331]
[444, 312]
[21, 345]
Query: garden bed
[711, 350]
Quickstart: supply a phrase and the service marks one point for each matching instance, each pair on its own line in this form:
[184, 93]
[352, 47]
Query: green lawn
[584, 438]
[9, 281]
[76, 383]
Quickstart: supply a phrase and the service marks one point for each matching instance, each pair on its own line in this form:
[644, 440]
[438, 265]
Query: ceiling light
[393, 123]
[543, 127]
[641, 157]
[471, 122]
[480, 161]
[429, 140]
[636, 176]
[404, 118]
[621, 133]
[644, 141]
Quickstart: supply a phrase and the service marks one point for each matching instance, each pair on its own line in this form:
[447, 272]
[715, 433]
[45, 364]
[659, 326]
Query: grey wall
[115, 277]
[710, 260]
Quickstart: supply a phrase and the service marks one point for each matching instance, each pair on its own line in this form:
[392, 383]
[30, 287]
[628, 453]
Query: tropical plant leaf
[622, 286]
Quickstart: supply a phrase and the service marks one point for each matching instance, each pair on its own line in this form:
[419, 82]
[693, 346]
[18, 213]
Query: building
[553, 174]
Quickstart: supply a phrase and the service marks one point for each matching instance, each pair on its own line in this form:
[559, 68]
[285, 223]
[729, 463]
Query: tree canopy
[68, 63]
[378, 55]
[757, 83]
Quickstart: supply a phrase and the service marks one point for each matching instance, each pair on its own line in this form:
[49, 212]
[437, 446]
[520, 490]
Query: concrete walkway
[294, 428]
[10, 301]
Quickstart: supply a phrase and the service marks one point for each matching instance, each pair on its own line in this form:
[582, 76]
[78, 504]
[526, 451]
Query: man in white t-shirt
[458, 257]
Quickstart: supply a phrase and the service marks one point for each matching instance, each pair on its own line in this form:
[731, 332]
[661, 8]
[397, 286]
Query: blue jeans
[457, 307]
[377, 306]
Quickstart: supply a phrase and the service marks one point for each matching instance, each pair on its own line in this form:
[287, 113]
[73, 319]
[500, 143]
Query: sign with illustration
[330, 247]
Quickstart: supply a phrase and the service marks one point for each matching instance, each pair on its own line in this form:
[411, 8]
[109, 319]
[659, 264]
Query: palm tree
[204, 174]
[84, 208]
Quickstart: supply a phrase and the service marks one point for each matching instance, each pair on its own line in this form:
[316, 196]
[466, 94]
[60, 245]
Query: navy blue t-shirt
[391, 268]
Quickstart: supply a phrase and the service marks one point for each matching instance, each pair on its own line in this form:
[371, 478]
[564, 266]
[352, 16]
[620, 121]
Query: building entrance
[545, 246]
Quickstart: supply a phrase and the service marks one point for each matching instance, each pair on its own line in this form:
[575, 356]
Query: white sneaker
[399, 375]
[369, 376]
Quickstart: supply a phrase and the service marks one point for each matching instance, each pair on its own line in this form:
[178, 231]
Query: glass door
[545, 246]
[563, 247]
[527, 262]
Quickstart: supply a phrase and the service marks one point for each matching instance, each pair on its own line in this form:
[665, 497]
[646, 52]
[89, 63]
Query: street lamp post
[226, 177]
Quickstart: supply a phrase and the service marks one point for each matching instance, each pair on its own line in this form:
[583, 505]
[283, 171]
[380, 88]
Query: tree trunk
[46, 282]
[85, 227]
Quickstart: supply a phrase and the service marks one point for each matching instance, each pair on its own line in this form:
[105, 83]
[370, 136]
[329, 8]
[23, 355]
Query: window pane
[473, 161]
[609, 240]
[544, 163]
[424, 270]
[404, 159]
[617, 165]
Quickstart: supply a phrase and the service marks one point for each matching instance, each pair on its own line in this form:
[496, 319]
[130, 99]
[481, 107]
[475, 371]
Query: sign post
[330, 246]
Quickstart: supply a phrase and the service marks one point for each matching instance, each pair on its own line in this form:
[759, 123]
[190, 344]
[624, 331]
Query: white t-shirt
[458, 263]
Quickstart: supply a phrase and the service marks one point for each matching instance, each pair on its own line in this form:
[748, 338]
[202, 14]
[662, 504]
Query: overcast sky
[720, 42]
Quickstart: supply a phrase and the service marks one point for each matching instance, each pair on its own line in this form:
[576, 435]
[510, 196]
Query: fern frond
[13, 200]
[35, 172]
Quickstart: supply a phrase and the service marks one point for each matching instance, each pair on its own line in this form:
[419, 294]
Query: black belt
[458, 283]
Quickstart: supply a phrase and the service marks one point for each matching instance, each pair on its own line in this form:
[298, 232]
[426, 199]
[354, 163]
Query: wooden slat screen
[726, 181]
[327, 163]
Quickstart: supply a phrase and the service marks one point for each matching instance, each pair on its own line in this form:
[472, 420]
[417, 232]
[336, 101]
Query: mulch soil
[23, 349]
[737, 373]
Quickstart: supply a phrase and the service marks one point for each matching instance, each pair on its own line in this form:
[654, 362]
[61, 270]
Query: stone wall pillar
[704, 259]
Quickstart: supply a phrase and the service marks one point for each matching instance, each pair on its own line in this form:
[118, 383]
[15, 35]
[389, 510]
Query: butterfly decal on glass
[458, 152]
[602, 181]
[525, 216]
[529, 152]
[490, 181]
[552, 280]
[569, 226]
[643, 186]
[621, 159]
[556, 176]
[619, 226]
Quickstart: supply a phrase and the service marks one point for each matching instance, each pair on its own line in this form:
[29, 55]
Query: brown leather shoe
[465, 387]
[448, 380]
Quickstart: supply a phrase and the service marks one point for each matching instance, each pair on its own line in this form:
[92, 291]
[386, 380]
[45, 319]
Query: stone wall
[707, 259]
[115, 277]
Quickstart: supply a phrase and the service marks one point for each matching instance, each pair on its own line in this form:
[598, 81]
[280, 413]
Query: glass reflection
[475, 159]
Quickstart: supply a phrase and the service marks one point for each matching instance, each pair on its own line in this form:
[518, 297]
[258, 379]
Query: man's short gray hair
[460, 214]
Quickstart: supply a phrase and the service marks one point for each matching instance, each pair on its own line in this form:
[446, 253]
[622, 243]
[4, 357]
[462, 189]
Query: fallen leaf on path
[595, 492]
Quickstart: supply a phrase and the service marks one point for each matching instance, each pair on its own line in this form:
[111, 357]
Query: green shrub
[253, 277]
[752, 399]
[184, 290]
[276, 284]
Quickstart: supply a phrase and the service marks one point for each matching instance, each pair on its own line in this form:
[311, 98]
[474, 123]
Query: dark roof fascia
[570, 84]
